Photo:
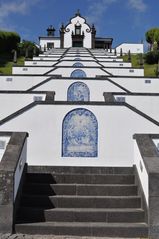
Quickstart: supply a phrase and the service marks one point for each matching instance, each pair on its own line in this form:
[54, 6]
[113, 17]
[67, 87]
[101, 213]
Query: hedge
[8, 41]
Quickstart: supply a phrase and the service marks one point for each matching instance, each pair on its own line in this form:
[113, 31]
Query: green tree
[152, 36]
[8, 41]
[29, 47]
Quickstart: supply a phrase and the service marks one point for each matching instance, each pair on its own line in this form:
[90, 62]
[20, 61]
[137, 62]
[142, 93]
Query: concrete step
[84, 229]
[27, 214]
[65, 201]
[80, 178]
[80, 170]
[80, 189]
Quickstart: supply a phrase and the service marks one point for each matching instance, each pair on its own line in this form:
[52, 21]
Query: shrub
[152, 57]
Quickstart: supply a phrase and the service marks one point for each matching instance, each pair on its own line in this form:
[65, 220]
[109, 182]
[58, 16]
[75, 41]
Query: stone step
[84, 229]
[80, 178]
[80, 189]
[65, 201]
[27, 214]
[80, 170]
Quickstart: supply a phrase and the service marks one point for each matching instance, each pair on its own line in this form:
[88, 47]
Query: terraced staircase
[81, 201]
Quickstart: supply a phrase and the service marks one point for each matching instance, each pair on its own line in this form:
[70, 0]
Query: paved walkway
[21, 236]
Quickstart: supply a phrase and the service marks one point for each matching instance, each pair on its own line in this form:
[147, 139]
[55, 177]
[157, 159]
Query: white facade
[85, 28]
[134, 48]
[45, 40]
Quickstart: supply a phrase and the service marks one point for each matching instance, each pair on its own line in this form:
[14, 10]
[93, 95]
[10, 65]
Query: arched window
[78, 74]
[80, 134]
[78, 91]
[78, 64]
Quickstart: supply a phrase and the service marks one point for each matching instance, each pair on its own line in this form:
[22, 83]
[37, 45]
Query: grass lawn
[149, 70]
[6, 63]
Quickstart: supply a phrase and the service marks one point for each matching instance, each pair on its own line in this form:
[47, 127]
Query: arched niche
[78, 91]
[78, 74]
[80, 134]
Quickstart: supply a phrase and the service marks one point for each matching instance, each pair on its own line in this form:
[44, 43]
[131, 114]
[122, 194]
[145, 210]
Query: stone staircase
[81, 201]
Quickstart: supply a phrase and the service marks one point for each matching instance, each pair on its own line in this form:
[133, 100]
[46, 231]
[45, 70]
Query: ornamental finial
[78, 13]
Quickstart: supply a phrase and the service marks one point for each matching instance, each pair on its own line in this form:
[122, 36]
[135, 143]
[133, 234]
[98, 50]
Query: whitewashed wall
[132, 84]
[20, 82]
[47, 58]
[81, 57]
[44, 41]
[90, 72]
[126, 71]
[85, 63]
[138, 84]
[71, 27]
[27, 70]
[116, 126]
[39, 63]
[61, 86]
[106, 59]
[147, 104]
[10, 103]
[133, 47]
[65, 72]
[116, 64]
[74, 54]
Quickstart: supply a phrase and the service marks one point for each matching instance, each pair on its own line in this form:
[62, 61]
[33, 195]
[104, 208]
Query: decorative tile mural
[80, 134]
[78, 74]
[78, 64]
[78, 91]
[77, 59]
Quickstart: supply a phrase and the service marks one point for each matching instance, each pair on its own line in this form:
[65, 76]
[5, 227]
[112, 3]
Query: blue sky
[124, 20]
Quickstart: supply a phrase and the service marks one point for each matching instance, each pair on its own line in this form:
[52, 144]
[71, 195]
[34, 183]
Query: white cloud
[138, 5]
[97, 10]
[7, 8]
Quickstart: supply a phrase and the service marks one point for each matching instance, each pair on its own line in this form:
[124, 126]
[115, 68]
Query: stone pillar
[15, 56]
[93, 32]
[50, 96]
[26, 53]
[108, 97]
[44, 48]
[110, 48]
[62, 32]
[34, 51]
